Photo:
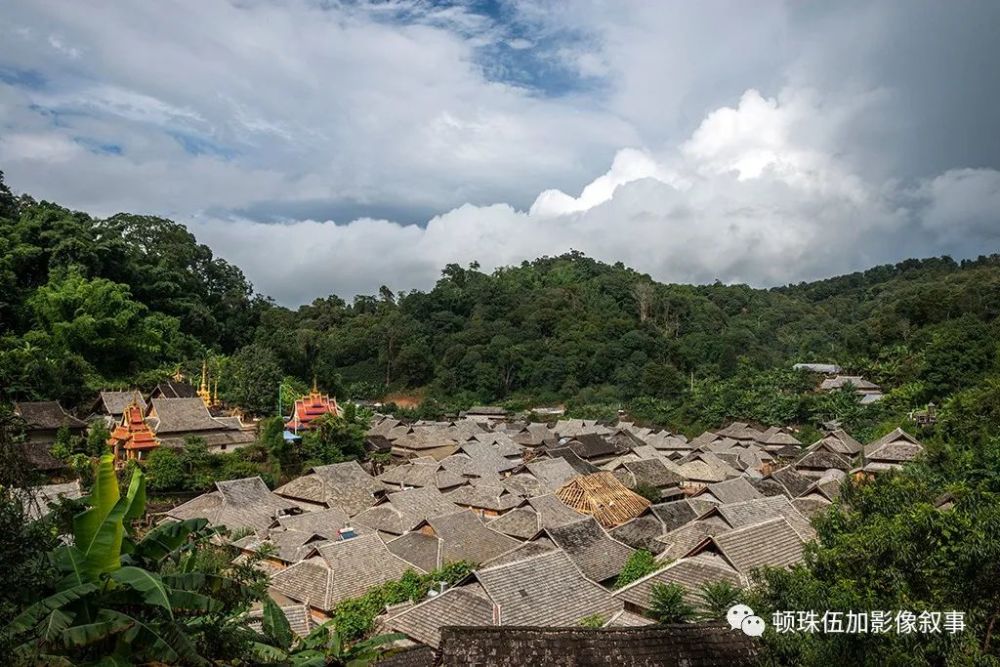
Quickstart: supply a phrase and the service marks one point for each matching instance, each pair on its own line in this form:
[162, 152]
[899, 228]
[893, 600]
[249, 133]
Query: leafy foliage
[668, 604]
[639, 564]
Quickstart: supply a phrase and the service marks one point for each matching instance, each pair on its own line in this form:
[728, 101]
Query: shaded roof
[733, 490]
[404, 510]
[325, 522]
[905, 445]
[461, 605]
[597, 554]
[641, 532]
[521, 522]
[681, 645]
[237, 503]
[794, 483]
[627, 619]
[36, 499]
[46, 415]
[182, 415]
[688, 573]
[822, 460]
[593, 445]
[680, 541]
[489, 497]
[759, 510]
[552, 511]
[39, 456]
[115, 402]
[171, 389]
[346, 485]
[552, 473]
[547, 589]
[604, 497]
[464, 537]
[654, 472]
[420, 549]
[299, 619]
[421, 474]
[290, 546]
[573, 459]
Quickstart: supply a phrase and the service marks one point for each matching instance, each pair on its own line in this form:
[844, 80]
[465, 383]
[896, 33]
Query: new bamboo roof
[604, 497]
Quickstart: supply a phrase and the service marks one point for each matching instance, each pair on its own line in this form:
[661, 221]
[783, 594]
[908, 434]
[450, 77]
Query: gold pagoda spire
[315, 387]
[203, 391]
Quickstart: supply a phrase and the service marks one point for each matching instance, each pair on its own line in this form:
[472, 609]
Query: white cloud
[690, 214]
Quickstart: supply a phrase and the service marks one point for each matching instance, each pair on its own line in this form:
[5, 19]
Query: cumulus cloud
[334, 147]
[740, 201]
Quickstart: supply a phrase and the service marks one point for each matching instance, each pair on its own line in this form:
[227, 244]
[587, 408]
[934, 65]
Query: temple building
[132, 438]
[309, 408]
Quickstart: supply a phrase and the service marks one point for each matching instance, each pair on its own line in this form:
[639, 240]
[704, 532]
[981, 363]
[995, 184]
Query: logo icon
[741, 617]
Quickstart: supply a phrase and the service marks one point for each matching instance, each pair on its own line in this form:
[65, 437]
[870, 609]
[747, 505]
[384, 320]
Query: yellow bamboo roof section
[603, 497]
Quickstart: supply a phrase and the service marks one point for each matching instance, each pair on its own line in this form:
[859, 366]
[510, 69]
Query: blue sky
[694, 141]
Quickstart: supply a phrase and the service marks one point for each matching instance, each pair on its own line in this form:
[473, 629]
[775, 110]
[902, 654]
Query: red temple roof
[309, 408]
[132, 432]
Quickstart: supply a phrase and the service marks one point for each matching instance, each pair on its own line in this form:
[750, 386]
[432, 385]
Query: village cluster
[548, 513]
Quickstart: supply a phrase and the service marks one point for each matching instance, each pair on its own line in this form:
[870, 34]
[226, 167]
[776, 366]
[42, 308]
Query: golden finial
[203, 391]
[315, 387]
[215, 397]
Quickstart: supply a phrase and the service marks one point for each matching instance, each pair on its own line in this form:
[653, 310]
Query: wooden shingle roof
[689, 573]
[772, 543]
[604, 497]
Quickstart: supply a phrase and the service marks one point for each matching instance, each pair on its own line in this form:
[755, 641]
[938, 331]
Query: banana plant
[110, 603]
[322, 647]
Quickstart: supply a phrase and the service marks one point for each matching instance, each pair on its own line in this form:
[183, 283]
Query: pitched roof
[604, 497]
[597, 554]
[236, 504]
[489, 497]
[419, 549]
[181, 415]
[572, 458]
[464, 537]
[822, 460]
[654, 472]
[641, 532]
[346, 485]
[680, 541]
[547, 589]
[299, 619]
[415, 474]
[361, 563]
[115, 402]
[405, 509]
[171, 389]
[552, 473]
[36, 499]
[894, 445]
[326, 522]
[759, 510]
[461, 605]
[521, 522]
[46, 415]
[795, 484]
[627, 619]
[681, 645]
[290, 546]
[688, 573]
[773, 543]
[592, 445]
[733, 490]
[552, 511]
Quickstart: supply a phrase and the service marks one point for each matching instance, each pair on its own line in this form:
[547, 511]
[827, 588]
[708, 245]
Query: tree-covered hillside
[88, 303]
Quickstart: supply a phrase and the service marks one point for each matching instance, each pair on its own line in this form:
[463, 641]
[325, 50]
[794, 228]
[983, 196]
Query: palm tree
[669, 605]
[717, 597]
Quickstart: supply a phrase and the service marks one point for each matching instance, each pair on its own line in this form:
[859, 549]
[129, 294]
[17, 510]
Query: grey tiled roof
[46, 415]
[326, 522]
[553, 512]
[794, 483]
[689, 573]
[420, 474]
[344, 485]
[535, 547]
[236, 504]
[495, 498]
[115, 402]
[773, 543]
[464, 537]
[759, 510]
[641, 532]
[405, 509]
[598, 555]
[359, 564]
[182, 415]
[419, 549]
[733, 490]
[544, 590]
[552, 473]
[461, 605]
[521, 522]
[682, 540]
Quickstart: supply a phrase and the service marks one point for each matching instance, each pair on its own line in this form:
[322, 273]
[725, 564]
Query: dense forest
[90, 303]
